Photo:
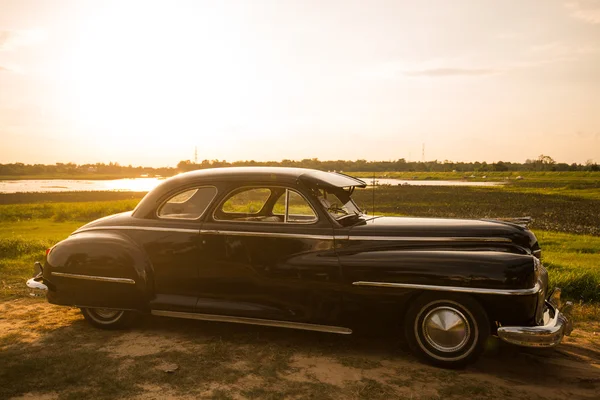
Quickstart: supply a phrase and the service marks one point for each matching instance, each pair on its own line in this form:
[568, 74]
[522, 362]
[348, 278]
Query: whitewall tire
[446, 330]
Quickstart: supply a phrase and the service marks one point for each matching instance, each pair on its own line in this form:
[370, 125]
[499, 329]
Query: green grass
[573, 263]
[27, 230]
[60, 212]
[21, 244]
[67, 197]
[38, 229]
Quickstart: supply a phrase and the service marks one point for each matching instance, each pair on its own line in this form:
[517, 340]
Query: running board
[253, 321]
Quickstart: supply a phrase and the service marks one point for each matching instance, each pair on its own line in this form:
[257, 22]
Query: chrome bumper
[556, 325]
[36, 282]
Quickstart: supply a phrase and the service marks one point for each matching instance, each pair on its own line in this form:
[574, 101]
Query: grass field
[555, 212]
[569, 177]
[584, 185]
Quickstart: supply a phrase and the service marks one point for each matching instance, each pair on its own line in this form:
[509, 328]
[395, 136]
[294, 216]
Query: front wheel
[446, 330]
[106, 318]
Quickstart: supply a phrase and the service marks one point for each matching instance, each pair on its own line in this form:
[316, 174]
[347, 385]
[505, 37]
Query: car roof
[311, 177]
[333, 179]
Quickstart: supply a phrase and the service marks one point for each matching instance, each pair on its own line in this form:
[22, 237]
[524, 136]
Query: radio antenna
[373, 183]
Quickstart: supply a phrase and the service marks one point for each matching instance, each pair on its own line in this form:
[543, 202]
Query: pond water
[394, 182]
[75, 185]
[146, 184]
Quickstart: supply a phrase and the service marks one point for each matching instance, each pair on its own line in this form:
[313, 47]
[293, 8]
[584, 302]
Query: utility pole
[195, 154]
[423, 153]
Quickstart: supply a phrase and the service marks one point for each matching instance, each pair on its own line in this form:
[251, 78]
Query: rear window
[189, 204]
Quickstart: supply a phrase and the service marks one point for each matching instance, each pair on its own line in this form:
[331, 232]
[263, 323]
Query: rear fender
[99, 269]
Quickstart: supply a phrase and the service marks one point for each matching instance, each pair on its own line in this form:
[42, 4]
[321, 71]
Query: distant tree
[499, 166]
[546, 159]
[186, 165]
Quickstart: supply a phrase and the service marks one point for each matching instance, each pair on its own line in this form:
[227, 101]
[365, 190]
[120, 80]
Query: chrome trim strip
[301, 236]
[94, 278]
[267, 234]
[137, 228]
[511, 292]
[432, 239]
[253, 321]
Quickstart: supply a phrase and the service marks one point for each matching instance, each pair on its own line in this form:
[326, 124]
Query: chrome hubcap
[106, 313]
[446, 329]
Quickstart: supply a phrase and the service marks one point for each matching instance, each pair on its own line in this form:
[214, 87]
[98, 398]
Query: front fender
[509, 280]
[98, 269]
[476, 269]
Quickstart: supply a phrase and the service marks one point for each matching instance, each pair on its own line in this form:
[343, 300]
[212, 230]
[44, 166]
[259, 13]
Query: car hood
[443, 228]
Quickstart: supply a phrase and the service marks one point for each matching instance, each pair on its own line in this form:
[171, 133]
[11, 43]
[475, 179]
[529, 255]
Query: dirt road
[50, 352]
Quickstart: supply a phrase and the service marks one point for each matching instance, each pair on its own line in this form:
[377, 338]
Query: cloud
[585, 10]
[10, 40]
[440, 68]
[561, 51]
[507, 35]
[11, 68]
[451, 71]
[562, 48]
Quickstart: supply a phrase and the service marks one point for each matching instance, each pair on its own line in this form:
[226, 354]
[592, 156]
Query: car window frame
[266, 186]
[286, 212]
[176, 193]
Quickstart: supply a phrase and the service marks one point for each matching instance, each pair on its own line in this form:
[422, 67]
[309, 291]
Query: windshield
[339, 203]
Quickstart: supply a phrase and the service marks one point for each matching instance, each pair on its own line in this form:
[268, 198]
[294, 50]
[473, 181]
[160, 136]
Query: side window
[266, 205]
[249, 201]
[189, 204]
[298, 209]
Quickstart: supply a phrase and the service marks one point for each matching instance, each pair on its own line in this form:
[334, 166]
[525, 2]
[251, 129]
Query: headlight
[537, 253]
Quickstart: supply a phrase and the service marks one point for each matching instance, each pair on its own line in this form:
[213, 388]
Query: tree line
[542, 163]
[66, 169]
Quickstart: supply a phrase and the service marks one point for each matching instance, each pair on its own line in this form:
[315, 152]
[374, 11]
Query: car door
[171, 241]
[268, 253]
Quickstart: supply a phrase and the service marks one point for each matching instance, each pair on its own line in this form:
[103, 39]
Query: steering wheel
[334, 207]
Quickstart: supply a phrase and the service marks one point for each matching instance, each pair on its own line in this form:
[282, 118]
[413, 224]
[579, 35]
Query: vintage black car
[288, 247]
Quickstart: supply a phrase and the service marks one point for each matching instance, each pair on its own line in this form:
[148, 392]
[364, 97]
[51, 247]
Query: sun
[148, 74]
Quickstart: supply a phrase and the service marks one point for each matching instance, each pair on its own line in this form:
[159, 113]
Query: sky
[145, 82]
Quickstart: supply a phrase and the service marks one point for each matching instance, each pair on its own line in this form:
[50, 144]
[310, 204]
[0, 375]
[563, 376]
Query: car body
[289, 247]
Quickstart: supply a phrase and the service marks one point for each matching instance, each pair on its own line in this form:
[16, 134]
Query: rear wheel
[446, 330]
[106, 318]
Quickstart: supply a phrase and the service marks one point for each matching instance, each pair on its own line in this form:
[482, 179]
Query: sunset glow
[144, 82]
